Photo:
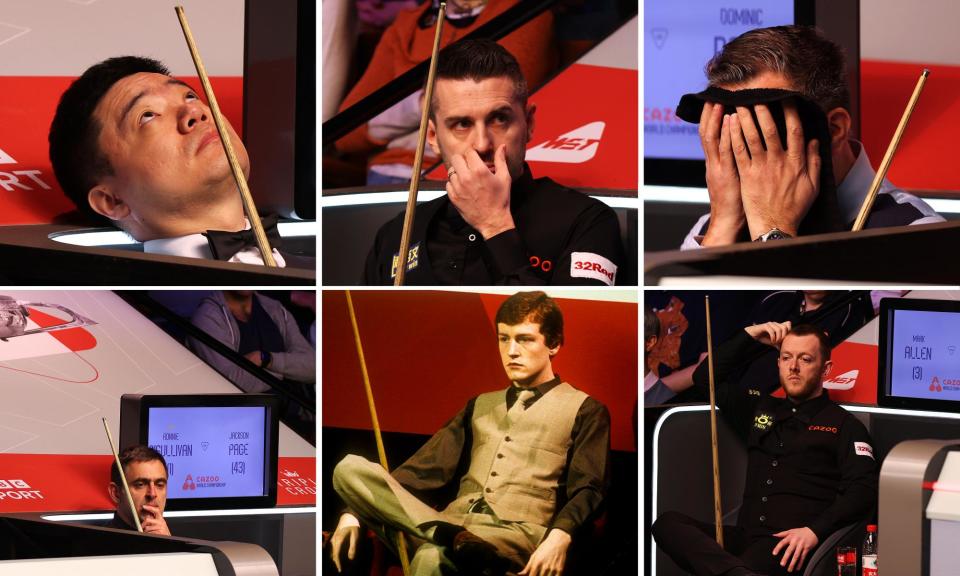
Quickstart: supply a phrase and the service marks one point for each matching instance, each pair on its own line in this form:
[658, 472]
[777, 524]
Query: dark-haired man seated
[764, 192]
[536, 459]
[133, 145]
[810, 464]
[146, 473]
[496, 224]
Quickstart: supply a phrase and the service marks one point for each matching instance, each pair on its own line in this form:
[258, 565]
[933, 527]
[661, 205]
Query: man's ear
[113, 492]
[105, 201]
[553, 351]
[432, 137]
[650, 343]
[531, 114]
[839, 122]
[826, 369]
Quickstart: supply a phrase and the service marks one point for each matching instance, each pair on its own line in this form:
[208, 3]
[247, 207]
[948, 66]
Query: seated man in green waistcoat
[536, 458]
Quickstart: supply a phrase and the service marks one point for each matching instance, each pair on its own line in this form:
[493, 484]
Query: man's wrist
[560, 535]
[348, 520]
[489, 231]
[773, 234]
[761, 226]
[722, 232]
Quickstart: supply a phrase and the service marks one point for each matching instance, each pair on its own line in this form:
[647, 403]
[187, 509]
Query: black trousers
[692, 545]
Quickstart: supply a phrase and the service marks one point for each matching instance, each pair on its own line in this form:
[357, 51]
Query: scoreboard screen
[679, 39]
[221, 449]
[919, 354]
[211, 452]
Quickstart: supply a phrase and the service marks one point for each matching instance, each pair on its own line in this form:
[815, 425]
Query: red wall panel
[427, 353]
[926, 158]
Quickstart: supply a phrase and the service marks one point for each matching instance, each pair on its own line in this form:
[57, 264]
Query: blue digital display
[924, 357]
[679, 39]
[211, 452]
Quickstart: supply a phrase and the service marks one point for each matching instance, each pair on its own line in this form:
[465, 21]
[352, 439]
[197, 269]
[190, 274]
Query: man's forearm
[577, 511]
[851, 507]
[728, 357]
[588, 474]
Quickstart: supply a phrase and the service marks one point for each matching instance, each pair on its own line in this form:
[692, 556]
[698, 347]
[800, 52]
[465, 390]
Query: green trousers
[381, 503]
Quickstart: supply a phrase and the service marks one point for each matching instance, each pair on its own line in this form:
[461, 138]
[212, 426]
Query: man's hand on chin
[480, 195]
[154, 523]
[777, 186]
[723, 183]
[550, 556]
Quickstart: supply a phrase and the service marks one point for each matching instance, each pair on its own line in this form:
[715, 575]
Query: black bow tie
[223, 245]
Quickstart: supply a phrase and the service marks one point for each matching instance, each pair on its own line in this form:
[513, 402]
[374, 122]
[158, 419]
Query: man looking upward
[134, 146]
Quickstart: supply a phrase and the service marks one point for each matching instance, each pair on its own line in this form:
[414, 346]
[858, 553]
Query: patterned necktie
[519, 405]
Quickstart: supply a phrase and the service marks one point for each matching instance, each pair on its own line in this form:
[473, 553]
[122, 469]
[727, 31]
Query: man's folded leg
[379, 501]
[431, 560]
[692, 545]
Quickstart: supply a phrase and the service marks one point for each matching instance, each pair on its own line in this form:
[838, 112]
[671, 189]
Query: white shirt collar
[854, 188]
[196, 246]
[191, 246]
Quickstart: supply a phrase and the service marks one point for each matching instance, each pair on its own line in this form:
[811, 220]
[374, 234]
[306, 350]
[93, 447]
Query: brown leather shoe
[475, 556]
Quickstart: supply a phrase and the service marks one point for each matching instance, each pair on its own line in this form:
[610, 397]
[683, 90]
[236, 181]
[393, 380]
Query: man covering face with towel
[775, 128]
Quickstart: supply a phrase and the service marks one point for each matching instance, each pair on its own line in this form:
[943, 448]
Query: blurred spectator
[339, 38]
[265, 333]
[390, 139]
[654, 391]
[381, 13]
[307, 299]
[838, 313]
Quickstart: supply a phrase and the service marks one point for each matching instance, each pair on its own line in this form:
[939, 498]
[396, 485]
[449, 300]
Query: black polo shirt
[808, 464]
[562, 236]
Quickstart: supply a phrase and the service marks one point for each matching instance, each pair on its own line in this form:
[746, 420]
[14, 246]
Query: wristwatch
[265, 358]
[775, 234]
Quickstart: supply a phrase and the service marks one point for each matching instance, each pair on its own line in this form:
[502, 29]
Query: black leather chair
[684, 484]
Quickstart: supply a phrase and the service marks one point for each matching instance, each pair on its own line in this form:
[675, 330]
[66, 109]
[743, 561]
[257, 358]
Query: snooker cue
[249, 207]
[717, 510]
[888, 157]
[401, 541]
[123, 477]
[418, 158]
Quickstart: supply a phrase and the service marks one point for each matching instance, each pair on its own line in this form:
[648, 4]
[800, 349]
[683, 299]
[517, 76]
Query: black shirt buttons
[472, 237]
[763, 499]
[769, 481]
[774, 463]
